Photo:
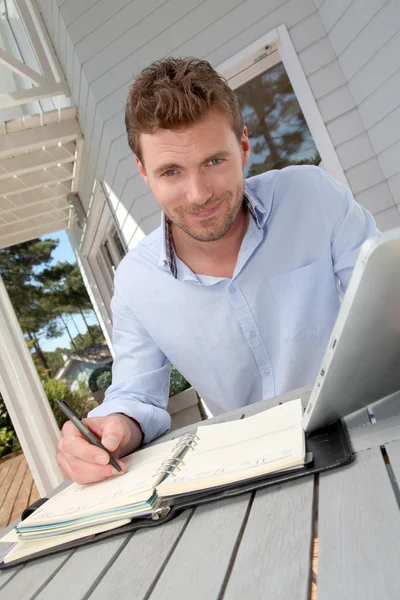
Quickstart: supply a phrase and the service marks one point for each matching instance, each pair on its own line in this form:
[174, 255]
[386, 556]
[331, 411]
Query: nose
[198, 190]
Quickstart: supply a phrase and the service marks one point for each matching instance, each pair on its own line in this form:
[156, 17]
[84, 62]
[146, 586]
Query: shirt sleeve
[350, 223]
[140, 373]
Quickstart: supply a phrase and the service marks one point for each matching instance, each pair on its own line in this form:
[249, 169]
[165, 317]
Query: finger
[69, 430]
[83, 472]
[82, 450]
[116, 433]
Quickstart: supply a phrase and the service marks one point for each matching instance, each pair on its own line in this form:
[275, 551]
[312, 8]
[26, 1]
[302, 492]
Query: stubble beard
[212, 233]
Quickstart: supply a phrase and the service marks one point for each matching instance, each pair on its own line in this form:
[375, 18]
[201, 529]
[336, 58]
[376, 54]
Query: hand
[85, 463]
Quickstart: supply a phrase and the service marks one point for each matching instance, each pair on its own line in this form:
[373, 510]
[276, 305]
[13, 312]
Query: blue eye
[216, 161]
[169, 173]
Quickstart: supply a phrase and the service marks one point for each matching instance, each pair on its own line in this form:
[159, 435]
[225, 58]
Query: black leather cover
[329, 446]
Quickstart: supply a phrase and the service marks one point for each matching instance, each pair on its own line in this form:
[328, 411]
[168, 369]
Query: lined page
[23, 549]
[226, 452]
[81, 500]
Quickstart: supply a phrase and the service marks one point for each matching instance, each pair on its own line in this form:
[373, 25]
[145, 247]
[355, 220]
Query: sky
[64, 252]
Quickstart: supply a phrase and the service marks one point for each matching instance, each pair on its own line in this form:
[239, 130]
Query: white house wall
[348, 50]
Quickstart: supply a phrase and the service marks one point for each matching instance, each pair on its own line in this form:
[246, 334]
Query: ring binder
[171, 465]
[174, 462]
[189, 439]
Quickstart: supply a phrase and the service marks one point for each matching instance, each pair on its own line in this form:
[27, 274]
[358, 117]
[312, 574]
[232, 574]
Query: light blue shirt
[239, 340]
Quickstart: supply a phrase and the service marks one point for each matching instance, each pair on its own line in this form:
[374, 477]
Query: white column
[26, 402]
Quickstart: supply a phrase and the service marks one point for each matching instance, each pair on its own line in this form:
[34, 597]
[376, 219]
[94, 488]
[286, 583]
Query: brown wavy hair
[176, 92]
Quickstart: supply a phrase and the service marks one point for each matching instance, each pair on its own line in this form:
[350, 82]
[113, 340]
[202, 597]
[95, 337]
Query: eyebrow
[166, 166]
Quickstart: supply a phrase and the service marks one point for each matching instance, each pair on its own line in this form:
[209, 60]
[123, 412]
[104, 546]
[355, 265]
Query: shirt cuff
[153, 421]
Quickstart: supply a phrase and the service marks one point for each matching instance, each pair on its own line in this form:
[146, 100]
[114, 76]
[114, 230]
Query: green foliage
[93, 381]
[8, 441]
[104, 380]
[55, 359]
[177, 382]
[8, 437]
[94, 335]
[42, 294]
[58, 389]
[101, 378]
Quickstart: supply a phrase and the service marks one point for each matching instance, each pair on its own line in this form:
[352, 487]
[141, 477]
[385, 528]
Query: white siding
[348, 50]
[365, 37]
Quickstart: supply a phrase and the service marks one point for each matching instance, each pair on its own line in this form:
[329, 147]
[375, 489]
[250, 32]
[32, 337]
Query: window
[112, 251]
[278, 132]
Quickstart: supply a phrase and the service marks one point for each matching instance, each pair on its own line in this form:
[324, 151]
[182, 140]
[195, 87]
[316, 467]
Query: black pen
[73, 416]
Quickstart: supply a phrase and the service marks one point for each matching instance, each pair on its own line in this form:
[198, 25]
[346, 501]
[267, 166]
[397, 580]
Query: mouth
[205, 214]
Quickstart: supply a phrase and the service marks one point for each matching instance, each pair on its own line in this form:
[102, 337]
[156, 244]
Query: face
[196, 174]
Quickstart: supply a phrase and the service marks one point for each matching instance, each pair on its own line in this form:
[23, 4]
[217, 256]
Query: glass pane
[278, 133]
[119, 245]
[109, 259]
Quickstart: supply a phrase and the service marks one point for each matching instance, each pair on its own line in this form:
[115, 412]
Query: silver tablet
[362, 361]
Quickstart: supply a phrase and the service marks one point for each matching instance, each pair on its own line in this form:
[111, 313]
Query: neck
[212, 258]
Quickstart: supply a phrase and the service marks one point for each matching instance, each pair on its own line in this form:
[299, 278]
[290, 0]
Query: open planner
[217, 460]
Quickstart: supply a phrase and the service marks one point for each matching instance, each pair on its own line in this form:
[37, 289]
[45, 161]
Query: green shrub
[8, 441]
[177, 382]
[104, 380]
[93, 381]
[101, 378]
[58, 389]
[8, 437]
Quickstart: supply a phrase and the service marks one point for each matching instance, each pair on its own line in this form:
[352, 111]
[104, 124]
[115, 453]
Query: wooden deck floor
[17, 488]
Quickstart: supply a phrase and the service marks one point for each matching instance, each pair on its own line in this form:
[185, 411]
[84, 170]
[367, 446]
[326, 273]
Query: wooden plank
[388, 219]
[6, 576]
[387, 407]
[71, 10]
[393, 451]
[375, 72]
[4, 470]
[248, 22]
[378, 197]
[209, 540]
[93, 18]
[22, 499]
[274, 557]
[33, 577]
[12, 494]
[90, 562]
[316, 56]
[381, 433]
[389, 160]
[365, 175]
[307, 32]
[359, 532]
[357, 419]
[355, 151]
[331, 12]
[138, 565]
[384, 133]
[336, 103]
[357, 17]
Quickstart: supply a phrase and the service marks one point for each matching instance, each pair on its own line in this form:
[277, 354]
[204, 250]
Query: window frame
[250, 57]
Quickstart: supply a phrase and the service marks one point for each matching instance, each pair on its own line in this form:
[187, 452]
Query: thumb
[113, 433]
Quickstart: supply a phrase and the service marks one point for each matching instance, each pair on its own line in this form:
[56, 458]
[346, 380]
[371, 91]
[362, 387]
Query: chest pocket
[306, 301]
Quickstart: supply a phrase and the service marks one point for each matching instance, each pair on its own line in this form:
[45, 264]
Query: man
[238, 288]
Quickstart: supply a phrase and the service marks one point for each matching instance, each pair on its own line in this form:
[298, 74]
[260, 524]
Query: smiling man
[238, 287]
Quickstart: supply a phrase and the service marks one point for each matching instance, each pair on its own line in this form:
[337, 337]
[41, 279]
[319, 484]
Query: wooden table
[255, 546]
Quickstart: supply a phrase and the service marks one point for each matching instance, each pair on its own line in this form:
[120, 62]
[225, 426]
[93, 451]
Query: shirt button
[233, 289]
[253, 334]
[267, 372]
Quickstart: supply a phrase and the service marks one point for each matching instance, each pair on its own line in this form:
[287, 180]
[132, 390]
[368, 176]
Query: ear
[245, 145]
[141, 169]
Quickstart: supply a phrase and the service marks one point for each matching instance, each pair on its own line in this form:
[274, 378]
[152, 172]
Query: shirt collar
[167, 255]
